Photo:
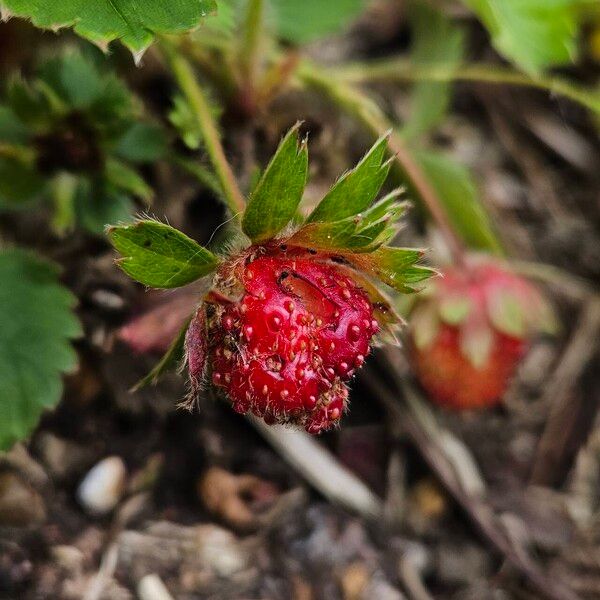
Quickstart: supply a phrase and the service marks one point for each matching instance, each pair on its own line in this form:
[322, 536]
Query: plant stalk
[401, 69]
[370, 115]
[185, 77]
[251, 46]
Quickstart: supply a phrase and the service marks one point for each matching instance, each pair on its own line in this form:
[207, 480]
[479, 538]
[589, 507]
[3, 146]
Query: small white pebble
[101, 489]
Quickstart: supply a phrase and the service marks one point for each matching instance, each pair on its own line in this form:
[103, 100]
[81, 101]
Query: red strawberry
[469, 332]
[289, 319]
[284, 331]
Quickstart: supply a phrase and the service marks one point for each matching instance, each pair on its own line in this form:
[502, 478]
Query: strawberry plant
[72, 137]
[289, 319]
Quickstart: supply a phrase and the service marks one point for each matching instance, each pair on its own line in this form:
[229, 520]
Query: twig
[564, 415]
[321, 469]
[475, 507]
[186, 79]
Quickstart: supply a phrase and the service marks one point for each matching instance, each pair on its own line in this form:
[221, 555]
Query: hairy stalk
[252, 42]
[370, 115]
[186, 79]
[401, 69]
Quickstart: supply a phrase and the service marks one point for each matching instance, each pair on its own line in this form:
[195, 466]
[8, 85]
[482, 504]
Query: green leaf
[437, 41]
[36, 324]
[184, 120]
[73, 77]
[355, 190]
[12, 131]
[534, 34]
[142, 142]
[134, 23]
[275, 199]
[125, 178]
[460, 197]
[27, 104]
[302, 21]
[97, 206]
[20, 185]
[160, 256]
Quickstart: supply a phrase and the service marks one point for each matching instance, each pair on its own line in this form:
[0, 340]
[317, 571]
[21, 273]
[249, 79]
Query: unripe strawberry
[283, 330]
[469, 331]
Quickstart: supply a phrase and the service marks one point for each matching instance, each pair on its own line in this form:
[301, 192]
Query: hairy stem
[370, 115]
[252, 40]
[185, 77]
[401, 69]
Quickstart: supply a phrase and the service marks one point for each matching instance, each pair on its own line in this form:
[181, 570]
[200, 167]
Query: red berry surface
[453, 381]
[296, 331]
[470, 331]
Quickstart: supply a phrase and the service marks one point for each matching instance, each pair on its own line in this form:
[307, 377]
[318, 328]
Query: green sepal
[507, 314]
[454, 310]
[171, 358]
[275, 199]
[397, 268]
[362, 233]
[160, 256]
[476, 342]
[355, 190]
[425, 324]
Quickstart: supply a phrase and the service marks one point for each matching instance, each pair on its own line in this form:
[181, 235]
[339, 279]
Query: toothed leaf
[160, 256]
[354, 192]
[275, 199]
[36, 324]
[534, 34]
[134, 23]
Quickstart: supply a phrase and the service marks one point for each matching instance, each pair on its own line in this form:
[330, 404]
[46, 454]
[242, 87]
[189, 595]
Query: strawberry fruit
[289, 319]
[284, 331]
[470, 329]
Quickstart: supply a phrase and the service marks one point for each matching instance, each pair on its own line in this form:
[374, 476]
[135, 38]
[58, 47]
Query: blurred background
[464, 470]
